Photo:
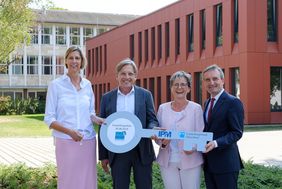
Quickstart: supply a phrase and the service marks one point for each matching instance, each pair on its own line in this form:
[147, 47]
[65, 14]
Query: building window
[159, 42]
[218, 24]
[105, 57]
[275, 88]
[138, 82]
[146, 46]
[34, 35]
[60, 65]
[101, 30]
[159, 91]
[167, 45]
[131, 44]
[272, 20]
[153, 43]
[31, 95]
[236, 21]
[19, 95]
[41, 96]
[235, 82]
[140, 47]
[168, 91]
[152, 86]
[61, 35]
[46, 65]
[93, 61]
[198, 87]
[9, 93]
[145, 83]
[75, 36]
[177, 36]
[17, 66]
[101, 58]
[46, 35]
[203, 29]
[89, 65]
[190, 33]
[97, 59]
[87, 34]
[32, 65]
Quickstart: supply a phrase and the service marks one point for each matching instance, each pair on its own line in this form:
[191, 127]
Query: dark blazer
[144, 110]
[227, 124]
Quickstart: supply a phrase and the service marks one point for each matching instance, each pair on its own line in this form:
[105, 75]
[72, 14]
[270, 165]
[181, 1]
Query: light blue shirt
[126, 102]
[71, 108]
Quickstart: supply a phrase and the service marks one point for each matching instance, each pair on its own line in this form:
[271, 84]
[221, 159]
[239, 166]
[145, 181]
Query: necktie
[210, 110]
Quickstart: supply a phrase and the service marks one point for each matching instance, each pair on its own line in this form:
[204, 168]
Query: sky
[136, 7]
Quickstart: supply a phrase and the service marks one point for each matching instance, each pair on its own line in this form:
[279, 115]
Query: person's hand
[75, 135]
[97, 120]
[154, 137]
[164, 142]
[209, 146]
[188, 152]
[105, 165]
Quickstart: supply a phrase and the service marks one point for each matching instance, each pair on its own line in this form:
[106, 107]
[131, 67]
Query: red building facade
[244, 37]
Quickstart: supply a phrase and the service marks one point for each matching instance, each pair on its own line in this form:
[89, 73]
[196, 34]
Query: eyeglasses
[182, 85]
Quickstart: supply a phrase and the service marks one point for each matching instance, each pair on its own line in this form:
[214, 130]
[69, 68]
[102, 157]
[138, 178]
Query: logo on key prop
[164, 134]
[181, 135]
[120, 135]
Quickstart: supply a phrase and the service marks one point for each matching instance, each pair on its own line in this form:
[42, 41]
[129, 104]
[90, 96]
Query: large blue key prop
[122, 131]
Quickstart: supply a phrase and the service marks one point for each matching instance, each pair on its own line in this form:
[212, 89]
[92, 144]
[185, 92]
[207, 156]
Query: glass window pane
[275, 89]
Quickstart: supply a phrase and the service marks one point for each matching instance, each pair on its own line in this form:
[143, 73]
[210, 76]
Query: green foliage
[257, 177]
[20, 106]
[15, 22]
[20, 176]
[5, 103]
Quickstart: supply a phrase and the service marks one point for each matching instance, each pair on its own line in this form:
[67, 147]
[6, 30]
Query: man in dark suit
[139, 101]
[224, 117]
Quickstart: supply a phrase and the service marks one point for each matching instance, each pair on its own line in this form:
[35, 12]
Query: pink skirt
[76, 164]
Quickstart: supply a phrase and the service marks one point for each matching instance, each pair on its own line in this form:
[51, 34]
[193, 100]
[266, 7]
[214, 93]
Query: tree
[16, 20]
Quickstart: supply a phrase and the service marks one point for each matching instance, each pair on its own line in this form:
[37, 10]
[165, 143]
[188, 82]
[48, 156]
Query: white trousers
[176, 178]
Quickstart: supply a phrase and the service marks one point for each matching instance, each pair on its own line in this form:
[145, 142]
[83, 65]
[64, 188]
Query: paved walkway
[260, 147]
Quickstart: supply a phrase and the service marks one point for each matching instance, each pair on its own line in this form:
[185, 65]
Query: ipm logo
[120, 135]
[164, 134]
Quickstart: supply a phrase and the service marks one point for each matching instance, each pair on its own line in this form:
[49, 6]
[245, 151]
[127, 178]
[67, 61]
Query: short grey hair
[125, 62]
[181, 74]
[214, 67]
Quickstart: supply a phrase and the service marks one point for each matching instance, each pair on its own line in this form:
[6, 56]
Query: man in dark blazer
[225, 119]
[139, 101]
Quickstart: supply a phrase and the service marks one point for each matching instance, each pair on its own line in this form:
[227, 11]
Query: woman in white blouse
[70, 114]
[180, 169]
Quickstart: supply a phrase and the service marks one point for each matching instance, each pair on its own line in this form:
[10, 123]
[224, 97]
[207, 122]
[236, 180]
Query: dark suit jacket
[227, 124]
[144, 110]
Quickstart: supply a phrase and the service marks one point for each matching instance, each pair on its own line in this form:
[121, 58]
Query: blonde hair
[75, 48]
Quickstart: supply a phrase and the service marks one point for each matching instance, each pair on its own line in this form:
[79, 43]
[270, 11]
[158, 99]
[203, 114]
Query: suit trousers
[221, 181]
[121, 171]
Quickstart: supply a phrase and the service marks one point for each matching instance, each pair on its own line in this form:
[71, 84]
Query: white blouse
[70, 107]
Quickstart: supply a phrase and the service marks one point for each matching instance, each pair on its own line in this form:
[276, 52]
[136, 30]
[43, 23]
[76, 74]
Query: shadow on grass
[37, 117]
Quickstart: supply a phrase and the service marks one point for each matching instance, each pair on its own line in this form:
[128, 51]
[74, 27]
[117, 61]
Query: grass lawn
[23, 126]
